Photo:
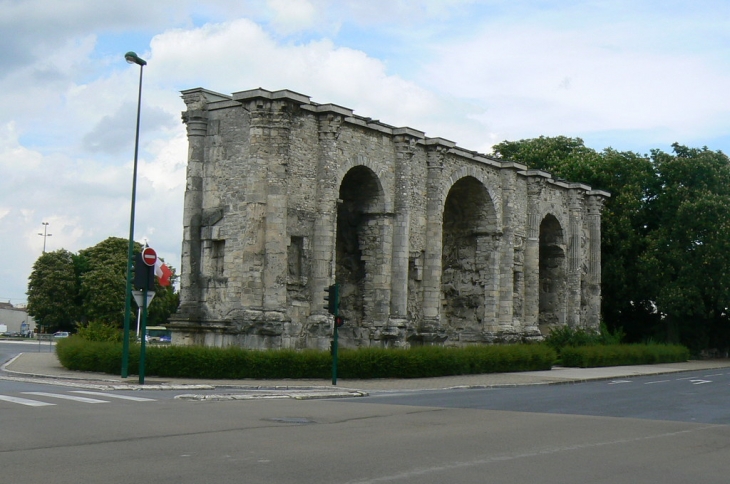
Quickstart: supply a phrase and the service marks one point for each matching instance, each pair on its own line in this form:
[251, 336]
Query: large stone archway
[359, 247]
[467, 272]
[431, 243]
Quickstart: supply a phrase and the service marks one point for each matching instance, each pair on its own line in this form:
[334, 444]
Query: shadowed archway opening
[360, 203]
[469, 224]
[553, 275]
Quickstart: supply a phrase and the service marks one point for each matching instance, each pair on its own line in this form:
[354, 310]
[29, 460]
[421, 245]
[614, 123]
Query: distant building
[15, 320]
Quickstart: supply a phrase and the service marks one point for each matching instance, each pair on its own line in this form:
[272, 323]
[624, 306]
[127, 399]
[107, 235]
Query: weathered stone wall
[430, 243]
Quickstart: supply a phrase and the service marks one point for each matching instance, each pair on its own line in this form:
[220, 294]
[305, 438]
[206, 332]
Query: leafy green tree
[686, 264]
[53, 291]
[631, 180]
[104, 280]
[98, 279]
[665, 235]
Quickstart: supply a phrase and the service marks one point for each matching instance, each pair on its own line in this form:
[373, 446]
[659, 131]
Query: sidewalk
[44, 367]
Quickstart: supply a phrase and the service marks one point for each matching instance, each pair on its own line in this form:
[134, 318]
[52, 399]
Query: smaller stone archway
[361, 249]
[467, 259]
[553, 276]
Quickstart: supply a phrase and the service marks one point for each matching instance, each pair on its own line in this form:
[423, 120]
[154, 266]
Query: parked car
[61, 334]
[158, 334]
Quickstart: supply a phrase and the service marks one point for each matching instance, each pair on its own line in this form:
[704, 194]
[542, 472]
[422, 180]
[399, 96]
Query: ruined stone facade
[430, 243]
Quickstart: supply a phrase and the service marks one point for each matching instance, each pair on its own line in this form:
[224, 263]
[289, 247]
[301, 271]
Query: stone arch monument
[430, 243]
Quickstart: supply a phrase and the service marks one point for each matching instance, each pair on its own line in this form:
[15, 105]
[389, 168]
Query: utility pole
[45, 234]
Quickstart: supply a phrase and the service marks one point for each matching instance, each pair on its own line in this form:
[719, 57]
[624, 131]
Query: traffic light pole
[333, 307]
[334, 356]
[143, 343]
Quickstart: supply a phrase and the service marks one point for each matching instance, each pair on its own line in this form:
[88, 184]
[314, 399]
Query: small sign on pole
[149, 256]
[138, 297]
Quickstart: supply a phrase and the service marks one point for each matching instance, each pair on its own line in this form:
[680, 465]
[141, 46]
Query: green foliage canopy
[665, 235]
[53, 291]
[65, 289]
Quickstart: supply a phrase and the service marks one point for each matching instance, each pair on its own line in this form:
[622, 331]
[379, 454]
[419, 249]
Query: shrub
[76, 353]
[565, 336]
[617, 355]
[98, 331]
[235, 363]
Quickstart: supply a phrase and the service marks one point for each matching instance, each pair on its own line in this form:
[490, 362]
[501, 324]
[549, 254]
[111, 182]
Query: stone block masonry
[430, 243]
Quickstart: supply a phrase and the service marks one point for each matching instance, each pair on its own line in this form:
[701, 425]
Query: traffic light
[144, 275]
[339, 321]
[333, 299]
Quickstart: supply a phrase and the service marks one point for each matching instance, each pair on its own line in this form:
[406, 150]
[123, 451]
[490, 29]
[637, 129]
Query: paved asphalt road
[456, 438]
[686, 397]
[331, 441]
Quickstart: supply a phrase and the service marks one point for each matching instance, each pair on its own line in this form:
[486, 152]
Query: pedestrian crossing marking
[75, 398]
[113, 395]
[24, 401]
[66, 397]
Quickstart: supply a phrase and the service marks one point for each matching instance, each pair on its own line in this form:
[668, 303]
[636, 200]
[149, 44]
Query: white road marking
[24, 401]
[658, 381]
[113, 395]
[700, 382]
[66, 397]
[714, 374]
[616, 382]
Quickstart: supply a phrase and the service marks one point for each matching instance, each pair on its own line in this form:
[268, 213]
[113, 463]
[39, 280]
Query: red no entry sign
[149, 256]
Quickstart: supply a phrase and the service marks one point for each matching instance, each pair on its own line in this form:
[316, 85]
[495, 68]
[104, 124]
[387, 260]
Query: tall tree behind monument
[665, 235]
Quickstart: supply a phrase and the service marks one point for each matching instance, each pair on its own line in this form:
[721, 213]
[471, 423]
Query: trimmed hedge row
[236, 363]
[619, 355]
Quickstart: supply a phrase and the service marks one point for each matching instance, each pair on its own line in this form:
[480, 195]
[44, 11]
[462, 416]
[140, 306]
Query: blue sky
[633, 75]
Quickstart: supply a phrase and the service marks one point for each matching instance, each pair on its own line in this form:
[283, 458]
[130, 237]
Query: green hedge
[618, 355]
[236, 363]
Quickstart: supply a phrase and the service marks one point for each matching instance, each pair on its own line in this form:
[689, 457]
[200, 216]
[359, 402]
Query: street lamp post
[44, 234]
[131, 58]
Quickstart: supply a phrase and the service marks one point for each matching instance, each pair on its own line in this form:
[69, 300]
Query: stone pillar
[489, 250]
[436, 152]
[376, 237]
[575, 257]
[325, 224]
[592, 286]
[506, 251]
[405, 144]
[532, 255]
[269, 147]
[196, 121]
[518, 271]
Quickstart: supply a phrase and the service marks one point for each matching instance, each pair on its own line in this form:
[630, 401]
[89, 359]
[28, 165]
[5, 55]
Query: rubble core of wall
[430, 243]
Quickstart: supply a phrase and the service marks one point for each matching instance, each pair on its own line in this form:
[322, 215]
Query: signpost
[139, 299]
[144, 273]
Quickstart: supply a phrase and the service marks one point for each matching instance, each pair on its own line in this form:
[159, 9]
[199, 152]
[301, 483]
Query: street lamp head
[133, 58]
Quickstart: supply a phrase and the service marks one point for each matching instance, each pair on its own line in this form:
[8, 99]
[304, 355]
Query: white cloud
[292, 15]
[471, 71]
[578, 80]
[240, 55]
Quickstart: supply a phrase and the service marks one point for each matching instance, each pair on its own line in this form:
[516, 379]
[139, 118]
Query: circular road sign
[149, 256]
